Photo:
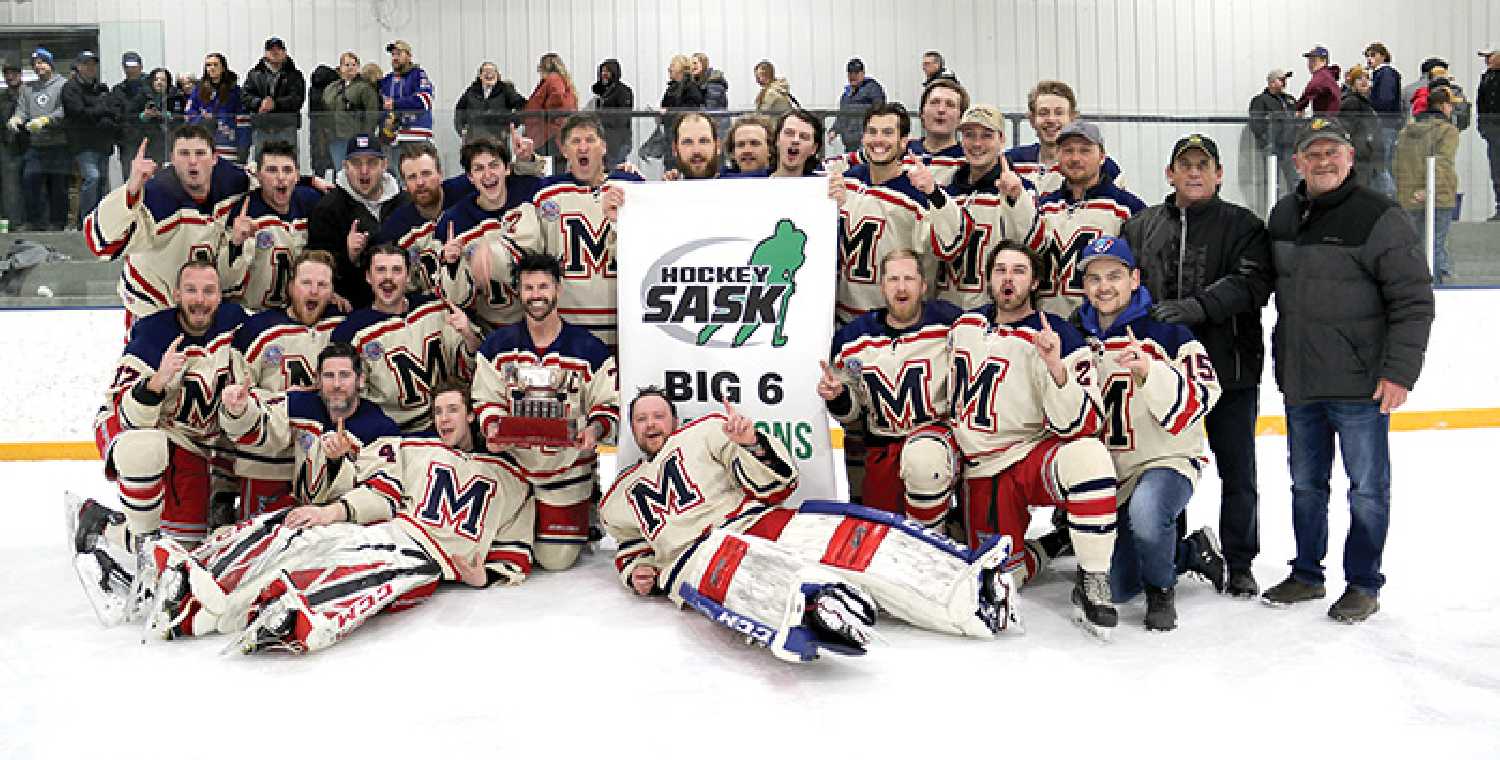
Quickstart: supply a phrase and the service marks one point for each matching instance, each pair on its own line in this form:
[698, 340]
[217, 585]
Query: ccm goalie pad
[914, 573]
[758, 589]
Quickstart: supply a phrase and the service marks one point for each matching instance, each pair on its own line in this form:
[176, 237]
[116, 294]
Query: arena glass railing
[1447, 196]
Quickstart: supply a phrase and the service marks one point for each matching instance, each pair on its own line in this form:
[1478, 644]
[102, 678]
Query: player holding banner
[698, 520]
[1026, 414]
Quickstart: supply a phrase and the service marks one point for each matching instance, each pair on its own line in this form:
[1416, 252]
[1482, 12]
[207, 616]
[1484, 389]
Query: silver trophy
[538, 408]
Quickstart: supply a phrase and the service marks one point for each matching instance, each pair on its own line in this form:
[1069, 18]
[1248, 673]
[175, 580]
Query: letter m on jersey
[858, 241]
[586, 250]
[417, 374]
[673, 493]
[901, 403]
[448, 506]
[976, 390]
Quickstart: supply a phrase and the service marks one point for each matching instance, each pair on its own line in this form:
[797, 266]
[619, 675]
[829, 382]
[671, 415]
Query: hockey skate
[842, 616]
[1092, 609]
[106, 571]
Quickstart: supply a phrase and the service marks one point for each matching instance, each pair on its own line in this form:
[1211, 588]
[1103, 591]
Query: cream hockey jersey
[257, 272]
[589, 379]
[272, 351]
[943, 164]
[456, 504]
[896, 381]
[1004, 401]
[1071, 225]
[496, 304]
[188, 410]
[698, 481]
[873, 221]
[409, 230]
[962, 232]
[406, 355]
[279, 437]
[1158, 423]
[566, 219]
[158, 230]
[1026, 161]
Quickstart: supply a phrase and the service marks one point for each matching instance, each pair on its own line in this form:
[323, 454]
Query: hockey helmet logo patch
[264, 239]
[549, 210]
[373, 351]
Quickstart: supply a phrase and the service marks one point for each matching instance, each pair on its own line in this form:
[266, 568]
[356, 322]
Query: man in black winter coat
[1207, 264]
[1273, 121]
[129, 100]
[273, 93]
[612, 94]
[347, 221]
[487, 109]
[90, 118]
[1488, 101]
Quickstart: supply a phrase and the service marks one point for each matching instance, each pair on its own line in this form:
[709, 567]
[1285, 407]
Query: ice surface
[573, 664]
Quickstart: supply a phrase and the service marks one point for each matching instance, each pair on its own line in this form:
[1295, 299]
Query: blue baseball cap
[42, 53]
[1107, 247]
[1317, 52]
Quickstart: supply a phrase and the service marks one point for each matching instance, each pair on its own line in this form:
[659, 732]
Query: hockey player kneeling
[301, 579]
[697, 520]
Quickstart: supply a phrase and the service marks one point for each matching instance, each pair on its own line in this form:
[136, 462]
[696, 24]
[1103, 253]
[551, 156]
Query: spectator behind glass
[353, 103]
[215, 103]
[129, 98]
[860, 95]
[486, 108]
[1430, 133]
[775, 96]
[12, 152]
[612, 94]
[319, 120]
[162, 113]
[553, 100]
[1363, 122]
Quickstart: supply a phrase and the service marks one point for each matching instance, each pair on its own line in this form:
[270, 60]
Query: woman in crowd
[162, 114]
[215, 102]
[553, 100]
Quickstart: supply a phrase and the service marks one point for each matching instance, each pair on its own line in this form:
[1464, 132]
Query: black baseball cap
[1322, 128]
[1196, 141]
[362, 145]
[854, 65]
[275, 42]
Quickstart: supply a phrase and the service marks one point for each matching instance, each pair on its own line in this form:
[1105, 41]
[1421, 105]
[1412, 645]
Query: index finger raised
[140, 152]
[1046, 326]
[176, 344]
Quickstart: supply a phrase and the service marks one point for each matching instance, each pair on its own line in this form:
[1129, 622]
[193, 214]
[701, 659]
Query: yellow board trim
[1442, 419]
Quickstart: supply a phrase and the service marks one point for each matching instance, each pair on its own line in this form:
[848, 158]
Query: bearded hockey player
[565, 479]
[160, 222]
[697, 520]
[1158, 385]
[1026, 414]
[301, 579]
[889, 371]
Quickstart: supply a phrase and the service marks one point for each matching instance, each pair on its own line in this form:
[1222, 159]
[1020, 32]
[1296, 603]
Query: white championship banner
[726, 292]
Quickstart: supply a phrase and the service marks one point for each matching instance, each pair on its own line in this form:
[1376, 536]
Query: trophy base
[534, 432]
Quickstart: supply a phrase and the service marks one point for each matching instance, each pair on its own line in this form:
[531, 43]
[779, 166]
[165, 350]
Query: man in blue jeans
[91, 120]
[1354, 309]
[1158, 385]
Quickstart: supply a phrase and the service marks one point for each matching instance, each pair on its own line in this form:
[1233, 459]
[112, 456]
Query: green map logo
[693, 301]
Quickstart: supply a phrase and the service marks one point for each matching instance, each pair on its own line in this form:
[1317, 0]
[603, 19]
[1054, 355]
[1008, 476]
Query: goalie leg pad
[762, 591]
[915, 573]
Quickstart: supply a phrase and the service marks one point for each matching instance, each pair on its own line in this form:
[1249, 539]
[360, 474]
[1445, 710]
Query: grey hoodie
[40, 99]
[388, 190]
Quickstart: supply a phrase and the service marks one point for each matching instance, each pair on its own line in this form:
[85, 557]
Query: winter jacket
[89, 115]
[853, 103]
[481, 115]
[285, 87]
[715, 90]
[1430, 134]
[1273, 121]
[1224, 262]
[128, 99]
[1487, 100]
[1360, 118]
[328, 230]
[10, 142]
[1463, 110]
[224, 115]
[682, 95]
[553, 96]
[44, 100]
[614, 96]
[1385, 95]
[775, 98]
[354, 106]
[158, 125]
[1322, 92]
[411, 93]
[1353, 295]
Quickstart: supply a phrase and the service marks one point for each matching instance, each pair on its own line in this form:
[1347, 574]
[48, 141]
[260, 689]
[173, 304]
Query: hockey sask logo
[693, 296]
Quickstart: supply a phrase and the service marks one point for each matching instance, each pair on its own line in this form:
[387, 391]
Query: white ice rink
[570, 665]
